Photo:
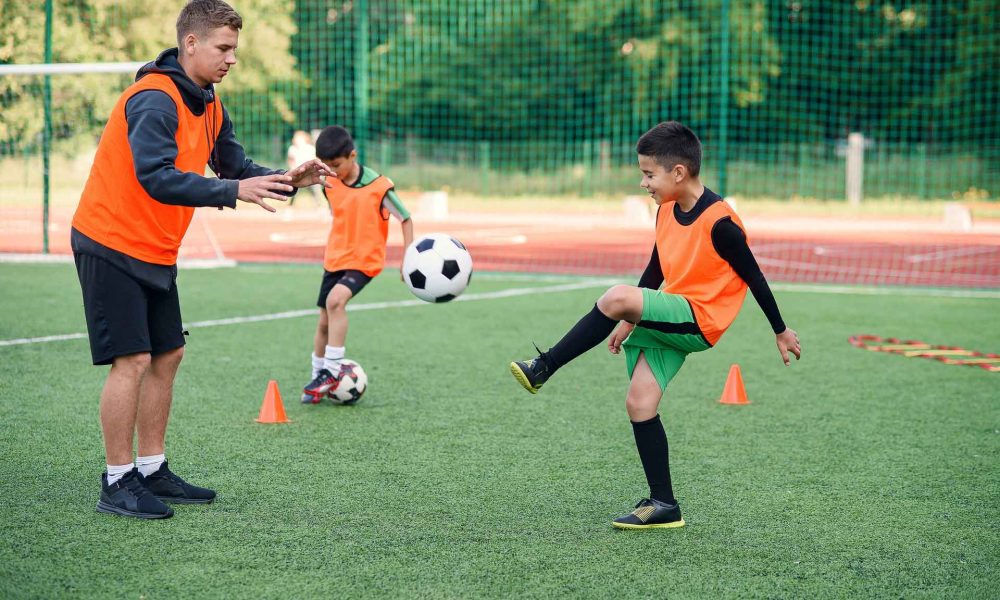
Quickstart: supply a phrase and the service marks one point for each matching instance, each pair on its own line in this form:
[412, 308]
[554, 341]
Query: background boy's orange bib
[692, 268]
[115, 210]
[360, 227]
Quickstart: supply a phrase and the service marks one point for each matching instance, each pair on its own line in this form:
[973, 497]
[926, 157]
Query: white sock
[149, 464]
[334, 354]
[317, 365]
[116, 472]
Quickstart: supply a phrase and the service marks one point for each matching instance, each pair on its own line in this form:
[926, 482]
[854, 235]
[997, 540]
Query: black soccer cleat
[323, 383]
[168, 487]
[128, 497]
[531, 373]
[650, 514]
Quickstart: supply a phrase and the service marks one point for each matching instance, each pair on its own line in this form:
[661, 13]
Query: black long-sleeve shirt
[731, 244]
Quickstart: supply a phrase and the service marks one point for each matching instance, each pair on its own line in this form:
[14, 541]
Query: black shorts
[353, 280]
[124, 316]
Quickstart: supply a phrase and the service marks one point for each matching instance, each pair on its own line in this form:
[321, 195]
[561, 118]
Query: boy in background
[361, 200]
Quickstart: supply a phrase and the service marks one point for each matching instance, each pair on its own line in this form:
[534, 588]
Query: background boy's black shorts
[123, 316]
[354, 280]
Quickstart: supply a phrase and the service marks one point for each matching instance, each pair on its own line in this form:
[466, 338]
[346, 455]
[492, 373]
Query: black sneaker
[324, 382]
[531, 373]
[170, 488]
[130, 498]
[649, 514]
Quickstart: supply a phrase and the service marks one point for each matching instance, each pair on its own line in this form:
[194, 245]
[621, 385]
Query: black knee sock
[588, 332]
[651, 441]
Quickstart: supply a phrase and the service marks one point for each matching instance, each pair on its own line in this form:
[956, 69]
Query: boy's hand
[788, 341]
[311, 172]
[256, 189]
[618, 336]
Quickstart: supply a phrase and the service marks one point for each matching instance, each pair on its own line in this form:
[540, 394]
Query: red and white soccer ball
[437, 267]
[353, 383]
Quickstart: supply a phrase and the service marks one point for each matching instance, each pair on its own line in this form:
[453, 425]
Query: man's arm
[152, 131]
[232, 160]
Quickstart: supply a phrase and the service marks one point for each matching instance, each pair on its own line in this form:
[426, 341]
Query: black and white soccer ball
[437, 267]
[353, 383]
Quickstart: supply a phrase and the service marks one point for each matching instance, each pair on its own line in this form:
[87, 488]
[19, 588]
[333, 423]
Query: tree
[109, 31]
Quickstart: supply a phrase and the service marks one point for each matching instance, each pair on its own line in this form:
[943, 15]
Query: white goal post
[70, 68]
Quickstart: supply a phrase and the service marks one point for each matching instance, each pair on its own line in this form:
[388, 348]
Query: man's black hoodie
[152, 128]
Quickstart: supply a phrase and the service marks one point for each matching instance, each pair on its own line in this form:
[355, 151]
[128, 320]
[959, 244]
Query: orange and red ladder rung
[950, 355]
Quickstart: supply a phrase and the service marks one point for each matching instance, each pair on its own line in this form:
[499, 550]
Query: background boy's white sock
[149, 464]
[116, 472]
[331, 362]
[317, 362]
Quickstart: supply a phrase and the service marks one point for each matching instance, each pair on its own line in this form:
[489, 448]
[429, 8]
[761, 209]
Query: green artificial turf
[852, 473]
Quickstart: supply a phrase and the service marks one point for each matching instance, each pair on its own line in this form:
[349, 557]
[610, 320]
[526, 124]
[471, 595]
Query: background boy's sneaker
[649, 514]
[168, 487]
[530, 373]
[130, 498]
[324, 382]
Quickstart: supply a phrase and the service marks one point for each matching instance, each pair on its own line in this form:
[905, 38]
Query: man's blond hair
[201, 16]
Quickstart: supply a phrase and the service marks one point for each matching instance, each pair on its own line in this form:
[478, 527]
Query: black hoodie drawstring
[210, 121]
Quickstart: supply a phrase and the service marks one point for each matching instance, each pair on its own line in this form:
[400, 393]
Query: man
[146, 180]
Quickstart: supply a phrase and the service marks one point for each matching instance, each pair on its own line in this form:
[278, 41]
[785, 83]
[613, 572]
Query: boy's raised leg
[622, 302]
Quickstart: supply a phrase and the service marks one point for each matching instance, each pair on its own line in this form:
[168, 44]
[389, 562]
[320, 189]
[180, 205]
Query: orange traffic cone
[272, 410]
[734, 392]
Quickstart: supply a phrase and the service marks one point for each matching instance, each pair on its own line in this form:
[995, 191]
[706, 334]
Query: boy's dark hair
[671, 143]
[201, 16]
[334, 142]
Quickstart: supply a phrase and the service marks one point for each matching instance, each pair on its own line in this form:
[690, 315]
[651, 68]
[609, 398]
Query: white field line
[952, 253]
[822, 288]
[579, 285]
[293, 314]
[966, 278]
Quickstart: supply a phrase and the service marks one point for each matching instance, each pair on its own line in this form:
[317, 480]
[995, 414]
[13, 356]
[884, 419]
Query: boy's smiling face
[662, 184]
[343, 166]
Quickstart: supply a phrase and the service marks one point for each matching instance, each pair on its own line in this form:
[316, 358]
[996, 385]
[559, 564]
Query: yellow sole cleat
[521, 378]
[671, 525]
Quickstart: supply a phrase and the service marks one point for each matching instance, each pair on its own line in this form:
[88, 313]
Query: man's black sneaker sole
[521, 378]
[184, 500]
[104, 507]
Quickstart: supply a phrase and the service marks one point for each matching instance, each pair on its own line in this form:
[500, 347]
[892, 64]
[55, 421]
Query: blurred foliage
[552, 84]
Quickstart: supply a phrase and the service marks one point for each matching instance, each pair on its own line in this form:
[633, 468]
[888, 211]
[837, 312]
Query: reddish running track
[798, 250]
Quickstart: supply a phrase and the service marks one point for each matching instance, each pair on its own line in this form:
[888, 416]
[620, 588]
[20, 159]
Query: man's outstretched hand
[256, 189]
[311, 172]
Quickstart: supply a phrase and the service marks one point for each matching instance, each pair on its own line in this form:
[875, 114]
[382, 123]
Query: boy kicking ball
[689, 294]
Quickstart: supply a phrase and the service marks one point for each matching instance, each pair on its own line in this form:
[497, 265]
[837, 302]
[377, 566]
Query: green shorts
[666, 334]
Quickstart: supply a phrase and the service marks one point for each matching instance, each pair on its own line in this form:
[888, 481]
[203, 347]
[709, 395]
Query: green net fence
[546, 98]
